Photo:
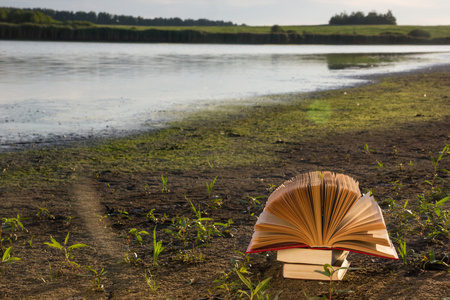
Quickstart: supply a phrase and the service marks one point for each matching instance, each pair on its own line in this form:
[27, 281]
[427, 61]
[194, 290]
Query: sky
[255, 12]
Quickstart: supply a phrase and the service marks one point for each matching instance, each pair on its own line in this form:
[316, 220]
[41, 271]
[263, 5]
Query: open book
[323, 211]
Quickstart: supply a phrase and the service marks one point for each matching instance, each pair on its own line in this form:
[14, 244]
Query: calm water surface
[51, 90]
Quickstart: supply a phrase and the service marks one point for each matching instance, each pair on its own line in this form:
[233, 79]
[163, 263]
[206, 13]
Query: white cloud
[376, 3]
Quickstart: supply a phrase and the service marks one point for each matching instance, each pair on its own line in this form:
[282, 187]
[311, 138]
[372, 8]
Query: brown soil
[97, 205]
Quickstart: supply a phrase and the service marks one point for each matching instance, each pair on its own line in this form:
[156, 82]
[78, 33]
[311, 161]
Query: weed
[394, 152]
[164, 183]
[7, 258]
[255, 291]
[11, 225]
[252, 203]
[329, 271]
[44, 213]
[379, 166]
[130, 257]
[151, 216]
[210, 187]
[190, 256]
[239, 264]
[151, 282]
[179, 229]
[97, 277]
[433, 219]
[68, 220]
[30, 241]
[368, 150]
[66, 250]
[431, 259]
[137, 234]
[436, 162]
[51, 275]
[147, 191]
[402, 251]
[157, 248]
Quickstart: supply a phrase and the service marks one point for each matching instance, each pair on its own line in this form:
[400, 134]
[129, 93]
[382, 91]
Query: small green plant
[65, 249]
[430, 258]
[210, 187]
[255, 291]
[151, 282]
[215, 202]
[152, 217]
[12, 226]
[44, 213]
[179, 229]
[50, 273]
[402, 251]
[228, 285]
[138, 234]
[433, 218]
[368, 150]
[30, 242]
[271, 187]
[121, 216]
[329, 272]
[164, 183]
[68, 220]
[96, 278]
[436, 162]
[379, 166]
[157, 248]
[130, 257]
[394, 152]
[252, 203]
[7, 259]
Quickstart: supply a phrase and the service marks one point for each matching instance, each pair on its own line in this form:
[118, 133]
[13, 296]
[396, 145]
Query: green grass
[435, 31]
[240, 135]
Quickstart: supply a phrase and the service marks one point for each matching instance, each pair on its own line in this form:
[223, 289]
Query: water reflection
[87, 88]
[355, 60]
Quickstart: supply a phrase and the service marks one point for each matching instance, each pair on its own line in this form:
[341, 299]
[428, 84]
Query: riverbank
[383, 135]
[331, 35]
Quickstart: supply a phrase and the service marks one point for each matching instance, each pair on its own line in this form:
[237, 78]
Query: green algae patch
[242, 135]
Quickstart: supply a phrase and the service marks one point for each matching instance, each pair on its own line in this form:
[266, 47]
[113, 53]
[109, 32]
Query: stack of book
[315, 219]
[301, 263]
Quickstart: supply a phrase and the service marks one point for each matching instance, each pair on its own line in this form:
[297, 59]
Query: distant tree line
[15, 15]
[358, 18]
[18, 16]
[57, 32]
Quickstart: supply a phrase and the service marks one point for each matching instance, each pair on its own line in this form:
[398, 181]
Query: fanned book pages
[322, 210]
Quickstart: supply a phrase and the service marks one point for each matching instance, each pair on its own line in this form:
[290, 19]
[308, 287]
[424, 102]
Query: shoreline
[75, 139]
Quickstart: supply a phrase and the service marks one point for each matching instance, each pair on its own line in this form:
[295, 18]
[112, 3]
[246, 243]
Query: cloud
[372, 4]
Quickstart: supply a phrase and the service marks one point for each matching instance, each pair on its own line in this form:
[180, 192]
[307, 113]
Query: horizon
[254, 13]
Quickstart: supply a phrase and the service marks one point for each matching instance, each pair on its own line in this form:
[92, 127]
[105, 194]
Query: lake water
[67, 91]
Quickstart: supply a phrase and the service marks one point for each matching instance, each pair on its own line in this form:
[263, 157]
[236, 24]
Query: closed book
[310, 256]
[312, 272]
